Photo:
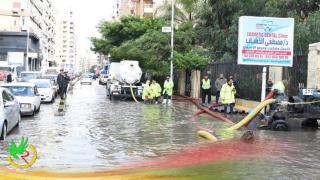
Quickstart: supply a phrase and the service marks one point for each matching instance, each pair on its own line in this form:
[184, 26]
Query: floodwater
[97, 134]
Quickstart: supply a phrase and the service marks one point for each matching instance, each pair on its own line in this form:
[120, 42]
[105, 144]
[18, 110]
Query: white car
[45, 89]
[9, 113]
[27, 95]
[86, 80]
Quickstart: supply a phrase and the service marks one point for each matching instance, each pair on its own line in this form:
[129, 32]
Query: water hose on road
[208, 111]
[132, 94]
[207, 135]
[253, 114]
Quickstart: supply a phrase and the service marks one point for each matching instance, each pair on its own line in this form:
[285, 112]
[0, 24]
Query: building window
[3, 57]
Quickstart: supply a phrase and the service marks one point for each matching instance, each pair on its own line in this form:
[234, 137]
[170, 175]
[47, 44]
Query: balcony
[148, 8]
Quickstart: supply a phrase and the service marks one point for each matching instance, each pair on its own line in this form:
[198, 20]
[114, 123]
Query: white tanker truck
[121, 76]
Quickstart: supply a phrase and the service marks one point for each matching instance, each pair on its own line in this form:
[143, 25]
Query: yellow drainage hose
[132, 94]
[207, 135]
[253, 114]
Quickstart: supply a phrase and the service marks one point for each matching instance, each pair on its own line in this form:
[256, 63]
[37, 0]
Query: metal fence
[296, 75]
[248, 78]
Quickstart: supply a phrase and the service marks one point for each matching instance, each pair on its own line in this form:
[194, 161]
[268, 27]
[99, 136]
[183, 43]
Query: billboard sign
[15, 58]
[265, 41]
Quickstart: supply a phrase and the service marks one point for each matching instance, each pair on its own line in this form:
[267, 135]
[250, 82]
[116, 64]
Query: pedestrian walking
[63, 81]
[156, 90]
[146, 93]
[206, 89]
[9, 78]
[167, 90]
[67, 78]
[227, 95]
[220, 81]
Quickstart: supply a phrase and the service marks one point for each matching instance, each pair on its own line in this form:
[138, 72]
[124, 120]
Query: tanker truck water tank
[130, 72]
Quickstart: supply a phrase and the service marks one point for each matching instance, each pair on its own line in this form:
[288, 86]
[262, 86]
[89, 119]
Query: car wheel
[280, 125]
[52, 100]
[19, 120]
[34, 111]
[38, 109]
[4, 132]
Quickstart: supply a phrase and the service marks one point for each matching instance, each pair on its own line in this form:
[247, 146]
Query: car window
[21, 90]
[10, 97]
[5, 97]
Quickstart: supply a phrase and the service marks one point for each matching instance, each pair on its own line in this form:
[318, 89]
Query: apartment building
[66, 42]
[142, 8]
[27, 27]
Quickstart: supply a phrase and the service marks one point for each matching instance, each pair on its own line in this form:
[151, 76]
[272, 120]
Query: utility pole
[172, 34]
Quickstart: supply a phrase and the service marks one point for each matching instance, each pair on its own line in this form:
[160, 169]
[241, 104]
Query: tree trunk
[195, 84]
[182, 82]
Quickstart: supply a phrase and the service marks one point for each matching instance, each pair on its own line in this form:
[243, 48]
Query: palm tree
[184, 10]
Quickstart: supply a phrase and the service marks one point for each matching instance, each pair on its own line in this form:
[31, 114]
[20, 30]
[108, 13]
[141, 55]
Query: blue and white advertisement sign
[265, 41]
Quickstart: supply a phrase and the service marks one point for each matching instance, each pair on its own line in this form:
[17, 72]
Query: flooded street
[96, 134]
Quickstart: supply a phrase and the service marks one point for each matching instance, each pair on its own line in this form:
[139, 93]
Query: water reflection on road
[96, 134]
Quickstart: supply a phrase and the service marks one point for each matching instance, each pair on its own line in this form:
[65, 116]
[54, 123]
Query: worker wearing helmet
[156, 90]
[167, 90]
[227, 95]
[147, 94]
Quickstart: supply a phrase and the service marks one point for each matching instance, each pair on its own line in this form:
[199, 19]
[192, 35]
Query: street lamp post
[172, 34]
[27, 51]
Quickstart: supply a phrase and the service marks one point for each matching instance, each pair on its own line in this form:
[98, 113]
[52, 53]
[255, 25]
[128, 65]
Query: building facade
[27, 19]
[66, 42]
[142, 8]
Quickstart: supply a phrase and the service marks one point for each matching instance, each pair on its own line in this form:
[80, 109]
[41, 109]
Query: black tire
[38, 109]
[34, 111]
[19, 120]
[3, 132]
[52, 100]
[280, 125]
[310, 123]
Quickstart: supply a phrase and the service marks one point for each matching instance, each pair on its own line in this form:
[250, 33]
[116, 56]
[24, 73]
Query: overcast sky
[87, 15]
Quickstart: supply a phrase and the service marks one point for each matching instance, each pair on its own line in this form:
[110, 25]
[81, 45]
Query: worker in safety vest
[227, 96]
[280, 87]
[156, 90]
[167, 90]
[206, 89]
[147, 94]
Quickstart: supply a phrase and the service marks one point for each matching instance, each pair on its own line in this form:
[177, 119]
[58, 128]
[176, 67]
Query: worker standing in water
[147, 94]
[227, 96]
[220, 81]
[167, 90]
[156, 90]
[206, 89]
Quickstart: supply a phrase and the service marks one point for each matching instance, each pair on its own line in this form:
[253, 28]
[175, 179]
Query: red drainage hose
[208, 111]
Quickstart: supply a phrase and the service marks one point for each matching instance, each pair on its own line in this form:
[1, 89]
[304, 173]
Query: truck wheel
[280, 125]
[310, 123]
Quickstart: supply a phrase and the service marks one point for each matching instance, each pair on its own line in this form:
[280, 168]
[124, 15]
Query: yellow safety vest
[206, 84]
[227, 94]
[279, 86]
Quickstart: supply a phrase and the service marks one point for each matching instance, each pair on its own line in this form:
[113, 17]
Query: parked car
[103, 79]
[10, 113]
[54, 83]
[86, 80]
[27, 95]
[25, 76]
[45, 89]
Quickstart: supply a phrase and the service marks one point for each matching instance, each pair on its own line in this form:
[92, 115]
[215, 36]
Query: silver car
[10, 112]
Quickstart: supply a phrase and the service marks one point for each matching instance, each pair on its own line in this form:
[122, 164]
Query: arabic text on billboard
[265, 41]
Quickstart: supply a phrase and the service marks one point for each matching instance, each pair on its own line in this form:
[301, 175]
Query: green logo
[15, 151]
[23, 156]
